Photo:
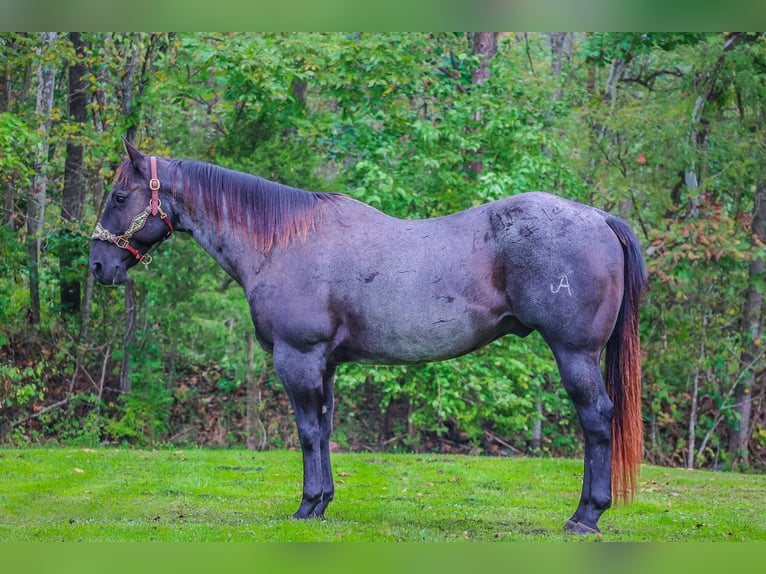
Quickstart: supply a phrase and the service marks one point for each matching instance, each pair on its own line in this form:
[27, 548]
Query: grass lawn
[236, 495]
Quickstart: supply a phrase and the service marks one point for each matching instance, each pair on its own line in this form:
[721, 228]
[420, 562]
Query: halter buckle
[121, 241]
[154, 184]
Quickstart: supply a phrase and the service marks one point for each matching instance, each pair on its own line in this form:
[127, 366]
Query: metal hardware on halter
[154, 185]
[138, 222]
[122, 242]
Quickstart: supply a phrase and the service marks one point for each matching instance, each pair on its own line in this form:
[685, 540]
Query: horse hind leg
[581, 377]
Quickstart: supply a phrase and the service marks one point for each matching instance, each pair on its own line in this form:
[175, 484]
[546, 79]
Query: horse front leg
[581, 376]
[302, 375]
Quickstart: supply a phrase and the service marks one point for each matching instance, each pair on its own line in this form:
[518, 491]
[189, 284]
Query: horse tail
[623, 369]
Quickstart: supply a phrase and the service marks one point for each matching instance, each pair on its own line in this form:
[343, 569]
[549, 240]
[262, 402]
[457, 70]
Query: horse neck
[226, 246]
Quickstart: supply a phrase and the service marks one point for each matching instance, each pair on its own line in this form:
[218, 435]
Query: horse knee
[309, 433]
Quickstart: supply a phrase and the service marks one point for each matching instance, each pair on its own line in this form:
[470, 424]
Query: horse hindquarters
[567, 278]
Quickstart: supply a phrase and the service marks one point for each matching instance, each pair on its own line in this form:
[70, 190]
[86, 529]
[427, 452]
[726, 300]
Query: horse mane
[264, 212]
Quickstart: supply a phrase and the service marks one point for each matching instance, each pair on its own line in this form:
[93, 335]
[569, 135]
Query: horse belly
[414, 320]
[409, 345]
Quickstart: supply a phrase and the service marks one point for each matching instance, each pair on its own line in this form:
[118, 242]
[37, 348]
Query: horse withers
[331, 280]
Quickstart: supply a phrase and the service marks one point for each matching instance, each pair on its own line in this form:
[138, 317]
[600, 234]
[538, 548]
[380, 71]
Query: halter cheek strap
[138, 222]
[154, 185]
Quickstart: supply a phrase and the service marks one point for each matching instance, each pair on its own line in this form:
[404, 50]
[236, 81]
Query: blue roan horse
[331, 280]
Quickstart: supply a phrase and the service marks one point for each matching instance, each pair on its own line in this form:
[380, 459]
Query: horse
[331, 280]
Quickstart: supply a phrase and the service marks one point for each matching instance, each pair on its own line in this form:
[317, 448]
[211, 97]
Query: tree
[72, 195]
[752, 332]
[36, 200]
[484, 48]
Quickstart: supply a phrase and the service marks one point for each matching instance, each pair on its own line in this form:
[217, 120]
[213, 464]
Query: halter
[138, 222]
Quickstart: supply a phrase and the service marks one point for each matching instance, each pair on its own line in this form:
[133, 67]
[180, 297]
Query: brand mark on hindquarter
[563, 284]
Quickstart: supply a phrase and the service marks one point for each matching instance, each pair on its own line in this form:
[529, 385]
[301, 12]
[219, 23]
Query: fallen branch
[501, 441]
[41, 412]
[181, 433]
[392, 439]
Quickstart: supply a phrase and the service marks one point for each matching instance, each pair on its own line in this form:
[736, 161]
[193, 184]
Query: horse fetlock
[601, 501]
[322, 506]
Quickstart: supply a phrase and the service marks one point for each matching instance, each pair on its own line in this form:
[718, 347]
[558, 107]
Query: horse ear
[134, 155]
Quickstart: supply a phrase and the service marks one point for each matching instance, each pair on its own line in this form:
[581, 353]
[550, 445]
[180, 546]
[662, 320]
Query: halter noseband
[138, 222]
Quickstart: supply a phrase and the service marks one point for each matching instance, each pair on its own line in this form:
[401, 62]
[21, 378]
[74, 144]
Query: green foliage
[11, 261]
[493, 389]
[143, 414]
[457, 146]
[21, 386]
[605, 47]
[16, 141]
[80, 423]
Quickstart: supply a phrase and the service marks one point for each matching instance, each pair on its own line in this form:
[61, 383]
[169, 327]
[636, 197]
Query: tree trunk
[72, 196]
[693, 414]
[36, 202]
[87, 299]
[558, 41]
[5, 103]
[708, 81]
[537, 427]
[127, 86]
[752, 330]
[591, 83]
[5, 87]
[129, 336]
[95, 184]
[256, 432]
[484, 46]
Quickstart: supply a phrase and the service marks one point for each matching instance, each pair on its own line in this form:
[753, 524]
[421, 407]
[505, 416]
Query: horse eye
[119, 199]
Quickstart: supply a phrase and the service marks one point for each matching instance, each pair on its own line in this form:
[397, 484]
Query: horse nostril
[96, 267]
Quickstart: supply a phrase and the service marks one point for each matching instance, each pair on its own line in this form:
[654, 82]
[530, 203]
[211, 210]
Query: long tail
[623, 369]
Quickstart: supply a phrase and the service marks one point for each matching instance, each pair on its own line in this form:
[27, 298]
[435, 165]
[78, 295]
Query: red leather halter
[138, 222]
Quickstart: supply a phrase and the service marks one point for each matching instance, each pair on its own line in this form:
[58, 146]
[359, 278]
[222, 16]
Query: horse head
[132, 222]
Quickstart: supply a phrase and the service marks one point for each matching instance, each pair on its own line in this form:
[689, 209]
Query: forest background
[666, 130]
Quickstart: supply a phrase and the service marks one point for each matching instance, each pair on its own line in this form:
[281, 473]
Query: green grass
[222, 495]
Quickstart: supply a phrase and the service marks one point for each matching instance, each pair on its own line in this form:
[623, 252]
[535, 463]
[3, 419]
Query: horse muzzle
[108, 270]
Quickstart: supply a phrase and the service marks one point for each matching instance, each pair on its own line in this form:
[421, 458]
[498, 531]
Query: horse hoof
[580, 528]
[302, 514]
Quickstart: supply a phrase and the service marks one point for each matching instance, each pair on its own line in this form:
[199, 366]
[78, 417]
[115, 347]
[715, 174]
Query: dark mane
[264, 212]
